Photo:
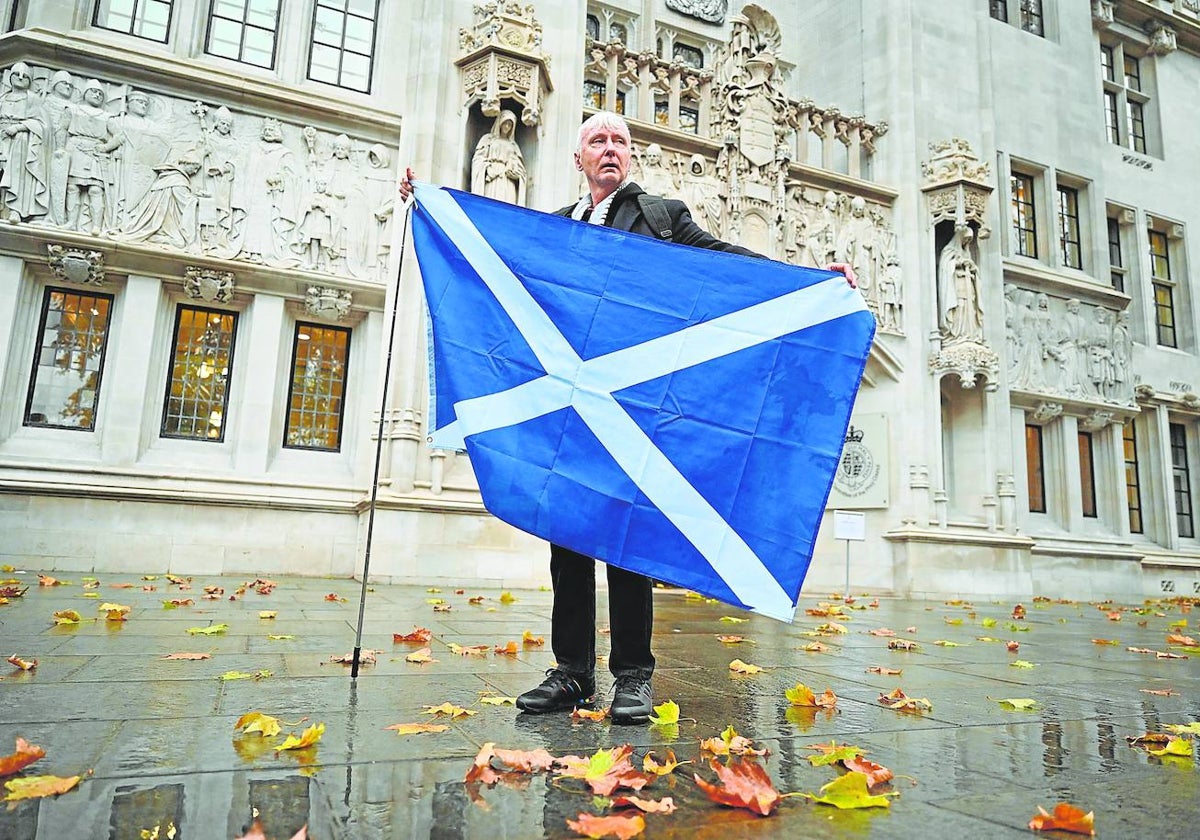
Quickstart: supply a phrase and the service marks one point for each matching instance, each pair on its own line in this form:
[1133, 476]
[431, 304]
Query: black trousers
[573, 624]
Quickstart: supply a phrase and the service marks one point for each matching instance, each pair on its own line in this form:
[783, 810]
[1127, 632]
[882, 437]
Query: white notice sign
[849, 525]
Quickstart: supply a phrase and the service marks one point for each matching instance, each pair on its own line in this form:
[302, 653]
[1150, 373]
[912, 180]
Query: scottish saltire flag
[671, 410]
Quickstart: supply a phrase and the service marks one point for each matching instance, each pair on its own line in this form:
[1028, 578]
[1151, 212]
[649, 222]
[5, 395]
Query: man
[603, 156]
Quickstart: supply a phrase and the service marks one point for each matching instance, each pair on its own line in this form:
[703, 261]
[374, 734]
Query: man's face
[604, 158]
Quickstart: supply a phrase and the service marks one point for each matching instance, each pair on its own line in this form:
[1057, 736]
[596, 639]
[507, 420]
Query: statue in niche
[166, 214]
[271, 188]
[821, 233]
[90, 141]
[857, 246]
[60, 102]
[497, 167]
[145, 146]
[655, 178]
[1100, 369]
[701, 192]
[24, 195]
[958, 289]
[1071, 350]
[219, 212]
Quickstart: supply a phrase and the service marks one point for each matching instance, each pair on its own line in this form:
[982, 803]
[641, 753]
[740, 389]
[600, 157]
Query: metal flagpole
[383, 401]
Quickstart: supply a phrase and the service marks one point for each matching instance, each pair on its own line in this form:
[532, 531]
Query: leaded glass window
[64, 387]
[197, 398]
[1024, 224]
[149, 19]
[317, 395]
[1133, 489]
[343, 43]
[1164, 289]
[1181, 474]
[1068, 227]
[243, 30]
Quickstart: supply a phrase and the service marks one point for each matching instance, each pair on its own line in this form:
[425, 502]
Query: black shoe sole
[586, 703]
[629, 720]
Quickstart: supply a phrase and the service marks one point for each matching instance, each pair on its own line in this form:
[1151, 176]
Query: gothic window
[1068, 227]
[593, 27]
[197, 397]
[243, 30]
[1024, 222]
[1126, 100]
[64, 387]
[342, 49]
[689, 119]
[1164, 289]
[689, 55]
[1116, 255]
[1182, 477]
[149, 19]
[1133, 489]
[1035, 468]
[1087, 474]
[316, 396]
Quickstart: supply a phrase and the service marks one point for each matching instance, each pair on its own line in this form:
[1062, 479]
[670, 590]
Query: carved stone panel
[324, 302]
[502, 58]
[208, 284]
[74, 265]
[709, 11]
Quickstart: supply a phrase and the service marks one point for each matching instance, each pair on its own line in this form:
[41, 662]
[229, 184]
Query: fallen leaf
[23, 664]
[46, 580]
[268, 614]
[13, 591]
[1021, 663]
[1013, 647]
[420, 656]
[1106, 641]
[336, 598]
[245, 675]
[25, 754]
[478, 599]
[211, 630]
[523, 761]
[1192, 728]
[882, 631]
[580, 713]
[1161, 692]
[802, 695]
[876, 774]
[419, 634]
[265, 725]
[1019, 704]
[849, 791]
[449, 710]
[604, 771]
[507, 598]
[114, 612]
[953, 621]
[898, 700]
[887, 672]
[509, 649]
[1066, 817]
[1176, 746]
[1177, 639]
[417, 728]
[666, 805]
[831, 753]
[730, 743]
[988, 622]
[468, 650]
[498, 701]
[741, 784]
[740, 667]
[435, 601]
[442, 607]
[67, 617]
[615, 826]
[279, 637]
[733, 619]
[1018, 612]
[650, 765]
[945, 643]
[903, 644]
[191, 656]
[815, 647]
[1147, 739]
[35, 787]
[214, 590]
[665, 713]
[307, 739]
[731, 640]
[365, 657]
[986, 639]
[529, 639]
[831, 628]
[1113, 616]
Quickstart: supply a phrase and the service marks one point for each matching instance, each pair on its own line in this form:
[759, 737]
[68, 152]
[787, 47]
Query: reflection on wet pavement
[158, 735]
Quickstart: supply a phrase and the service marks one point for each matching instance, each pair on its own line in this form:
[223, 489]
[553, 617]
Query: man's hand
[405, 186]
[847, 270]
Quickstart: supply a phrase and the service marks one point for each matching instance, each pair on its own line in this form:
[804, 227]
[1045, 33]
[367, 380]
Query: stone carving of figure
[821, 233]
[271, 188]
[1033, 325]
[1100, 369]
[383, 207]
[23, 190]
[655, 178]
[497, 167]
[1071, 350]
[1122, 351]
[856, 245]
[59, 104]
[701, 192]
[354, 208]
[89, 144]
[712, 11]
[889, 293]
[319, 231]
[145, 146]
[220, 212]
[958, 289]
[1014, 316]
[166, 214]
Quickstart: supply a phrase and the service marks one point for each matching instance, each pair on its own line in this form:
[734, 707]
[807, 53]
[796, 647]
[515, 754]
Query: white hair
[601, 119]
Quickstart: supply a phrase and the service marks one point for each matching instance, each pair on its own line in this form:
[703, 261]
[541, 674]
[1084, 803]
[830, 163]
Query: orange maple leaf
[1066, 817]
[615, 826]
[530, 639]
[418, 634]
[524, 761]
[605, 771]
[580, 713]
[26, 753]
[509, 649]
[876, 774]
[333, 596]
[742, 784]
[898, 700]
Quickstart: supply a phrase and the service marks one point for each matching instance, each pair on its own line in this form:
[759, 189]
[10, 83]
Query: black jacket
[626, 214]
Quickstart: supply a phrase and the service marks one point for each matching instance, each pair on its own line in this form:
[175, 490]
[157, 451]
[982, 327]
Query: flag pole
[383, 401]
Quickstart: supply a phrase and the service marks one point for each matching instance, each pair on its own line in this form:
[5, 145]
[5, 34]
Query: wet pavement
[155, 737]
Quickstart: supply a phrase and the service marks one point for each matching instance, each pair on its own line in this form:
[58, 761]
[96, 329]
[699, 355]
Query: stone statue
[24, 194]
[1100, 368]
[1071, 351]
[821, 233]
[145, 146]
[711, 11]
[59, 103]
[166, 214]
[958, 289]
[497, 167]
[318, 234]
[856, 245]
[701, 192]
[271, 197]
[220, 210]
[1122, 352]
[889, 293]
[90, 141]
[655, 178]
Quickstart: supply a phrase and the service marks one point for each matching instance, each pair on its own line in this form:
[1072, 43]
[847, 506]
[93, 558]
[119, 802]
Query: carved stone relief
[208, 284]
[709, 11]
[1162, 39]
[123, 164]
[74, 265]
[957, 185]
[503, 59]
[960, 312]
[1102, 14]
[324, 302]
[1068, 348]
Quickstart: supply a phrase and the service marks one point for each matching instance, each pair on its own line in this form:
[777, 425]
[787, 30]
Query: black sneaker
[558, 691]
[633, 700]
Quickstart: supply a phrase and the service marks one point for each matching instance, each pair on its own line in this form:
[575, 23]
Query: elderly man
[603, 156]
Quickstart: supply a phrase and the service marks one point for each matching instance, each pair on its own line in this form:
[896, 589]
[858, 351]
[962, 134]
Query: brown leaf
[580, 713]
[46, 580]
[418, 634]
[1148, 739]
[742, 784]
[1018, 612]
[887, 672]
[666, 805]
[365, 657]
[730, 743]
[604, 771]
[26, 753]
[529, 639]
[13, 591]
[468, 650]
[1066, 817]
[509, 649]
[876, 774]
[438, 607]
[882, 631]
[1178, 639]
[23, 664]
[731, 640]
[898, 700]
[421, 656]
[1013, 647]
[903, 644]
[524, 761]
[615, 826]
[188, 656]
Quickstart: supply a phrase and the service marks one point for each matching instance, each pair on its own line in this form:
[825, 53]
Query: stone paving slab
[157, 735]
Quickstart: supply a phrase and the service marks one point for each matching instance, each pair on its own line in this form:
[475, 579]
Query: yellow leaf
[114, 612]
[650, 765]
[944, 643]
[665, 713]
[35, 787]
[1021, 663]
[802, 695]
[435, 601]
[530, 639]
[740, 667]
[280, 637]
[310, 737]
[243, 675]
[988, 622]
[417, 728]
[507, 598]
[67, 617]
[449, 710]
[849, 791]
[420, 656]
[730, 619]
[267, 613]
[211, 630]
[1176, 746]
[1192, 728]
[1020, 704]
[498, 701]
[266, 725]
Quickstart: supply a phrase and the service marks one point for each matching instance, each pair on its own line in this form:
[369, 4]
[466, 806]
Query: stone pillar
[1067, 444]
[1112, 448]
[127, 387]
[1166, 527]
[258, 425]
[12, 270]
[1006, 489]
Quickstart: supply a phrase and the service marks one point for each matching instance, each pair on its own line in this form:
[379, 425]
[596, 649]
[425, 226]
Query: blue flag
[674, 411]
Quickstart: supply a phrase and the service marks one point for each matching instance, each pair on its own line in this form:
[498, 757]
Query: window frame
[1023, 237]
[230, 360]
[39, 347]
[1181, 480]
[1126, 101]
[1087, 475]
[1118, 271]
[137, 4]
[1032, 17]
[1068, 217]
[1162, 287]
[1035, 467]
[1133, 485]
[342, 50]
[244, 24]
[341, 422]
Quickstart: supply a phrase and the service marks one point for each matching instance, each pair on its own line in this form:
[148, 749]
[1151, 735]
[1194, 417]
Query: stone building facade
[199, 244]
